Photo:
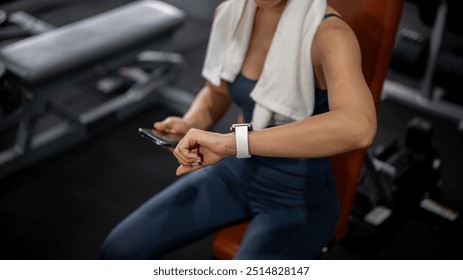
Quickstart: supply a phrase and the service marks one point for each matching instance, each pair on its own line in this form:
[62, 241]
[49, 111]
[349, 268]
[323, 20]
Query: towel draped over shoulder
[285, 89]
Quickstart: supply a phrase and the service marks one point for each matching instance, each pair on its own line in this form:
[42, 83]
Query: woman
[285, 187]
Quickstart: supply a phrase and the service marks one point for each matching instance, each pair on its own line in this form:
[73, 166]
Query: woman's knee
[126, 241]
[114, 248]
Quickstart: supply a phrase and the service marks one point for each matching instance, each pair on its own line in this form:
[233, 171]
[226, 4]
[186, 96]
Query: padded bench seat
[73, 46]
[43, 66]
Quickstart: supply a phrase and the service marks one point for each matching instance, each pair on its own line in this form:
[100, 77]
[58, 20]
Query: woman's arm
[349, 125]
[351, 122]
[208, 107]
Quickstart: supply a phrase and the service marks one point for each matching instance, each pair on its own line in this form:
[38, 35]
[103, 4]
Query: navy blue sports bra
[241, 88]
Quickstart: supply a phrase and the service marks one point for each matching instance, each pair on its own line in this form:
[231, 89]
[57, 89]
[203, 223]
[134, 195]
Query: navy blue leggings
[201, 202]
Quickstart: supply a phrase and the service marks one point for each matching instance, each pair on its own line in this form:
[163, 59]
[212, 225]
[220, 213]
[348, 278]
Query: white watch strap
[241, 138]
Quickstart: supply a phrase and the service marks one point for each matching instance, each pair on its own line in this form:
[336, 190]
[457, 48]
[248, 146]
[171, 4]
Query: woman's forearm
[207, 108]
[318, 136]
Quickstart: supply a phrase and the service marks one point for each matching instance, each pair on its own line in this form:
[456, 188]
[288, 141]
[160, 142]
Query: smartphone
[161, 138]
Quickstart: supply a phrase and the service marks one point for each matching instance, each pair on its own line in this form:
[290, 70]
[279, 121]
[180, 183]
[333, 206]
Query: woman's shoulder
[333, 22]
[334, 40]
[334, 31]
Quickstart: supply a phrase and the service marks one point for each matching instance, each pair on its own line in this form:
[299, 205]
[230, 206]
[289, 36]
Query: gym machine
[401, 181]
[39, 112]
[20, 24]
[433, 63]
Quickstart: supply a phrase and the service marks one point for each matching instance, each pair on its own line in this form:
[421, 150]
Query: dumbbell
[409, 55]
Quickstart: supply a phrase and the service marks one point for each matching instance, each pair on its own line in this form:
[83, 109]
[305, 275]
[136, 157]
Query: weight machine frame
[426, 98]
[148, 88]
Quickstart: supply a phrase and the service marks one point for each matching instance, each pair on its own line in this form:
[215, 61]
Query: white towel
[285, 89]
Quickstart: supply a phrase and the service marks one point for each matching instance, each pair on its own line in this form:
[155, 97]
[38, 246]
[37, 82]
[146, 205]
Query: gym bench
[52, 61]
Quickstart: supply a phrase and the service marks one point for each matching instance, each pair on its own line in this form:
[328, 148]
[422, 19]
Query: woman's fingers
[172, 125]
[188, 163]
[183, 169]
[162, 125]
[186, 158]
[199, 148]
[186, 151]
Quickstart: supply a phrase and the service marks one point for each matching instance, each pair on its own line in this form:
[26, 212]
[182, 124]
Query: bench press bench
[52, 61]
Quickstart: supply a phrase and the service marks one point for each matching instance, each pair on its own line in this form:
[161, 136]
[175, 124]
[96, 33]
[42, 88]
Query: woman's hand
[201, 148]
[174, 125]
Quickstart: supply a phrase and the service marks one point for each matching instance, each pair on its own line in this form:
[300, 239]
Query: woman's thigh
[189, 209]
[283, 234]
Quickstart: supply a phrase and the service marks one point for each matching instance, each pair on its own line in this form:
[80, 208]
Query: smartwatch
[241, 137]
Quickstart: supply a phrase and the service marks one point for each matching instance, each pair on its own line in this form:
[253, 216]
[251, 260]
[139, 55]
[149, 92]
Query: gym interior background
[59, 202]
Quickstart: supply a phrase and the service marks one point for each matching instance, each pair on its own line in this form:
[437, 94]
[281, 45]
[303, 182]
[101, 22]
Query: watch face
[248, 125]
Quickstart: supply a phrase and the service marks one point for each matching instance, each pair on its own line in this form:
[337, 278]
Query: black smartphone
[161, 138]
